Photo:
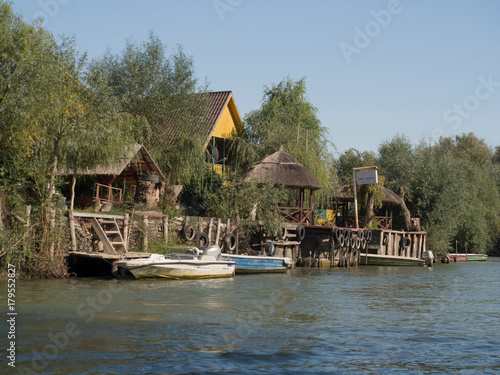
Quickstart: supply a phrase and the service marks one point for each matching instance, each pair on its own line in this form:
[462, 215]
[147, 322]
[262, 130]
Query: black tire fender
[230, 241]
[201, 240]
[301, 232]
[189, 232]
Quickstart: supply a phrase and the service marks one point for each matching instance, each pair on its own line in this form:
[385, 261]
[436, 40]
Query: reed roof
[281, 168]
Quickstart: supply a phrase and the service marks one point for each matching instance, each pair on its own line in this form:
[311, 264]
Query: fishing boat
[192, 263]
[258, 263]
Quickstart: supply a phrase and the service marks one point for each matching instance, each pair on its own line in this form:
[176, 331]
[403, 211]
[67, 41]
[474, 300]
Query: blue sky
[373, 68]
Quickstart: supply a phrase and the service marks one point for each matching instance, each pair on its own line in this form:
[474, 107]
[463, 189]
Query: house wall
[226, 126]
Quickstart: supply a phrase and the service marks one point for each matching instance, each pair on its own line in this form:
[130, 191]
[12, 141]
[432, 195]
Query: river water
[364, 320]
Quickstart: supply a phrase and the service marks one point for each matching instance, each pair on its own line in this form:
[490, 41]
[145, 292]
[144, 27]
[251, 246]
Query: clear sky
[421, 68]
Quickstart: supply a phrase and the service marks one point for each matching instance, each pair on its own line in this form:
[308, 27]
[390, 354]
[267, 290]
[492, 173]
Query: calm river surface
[365, 320]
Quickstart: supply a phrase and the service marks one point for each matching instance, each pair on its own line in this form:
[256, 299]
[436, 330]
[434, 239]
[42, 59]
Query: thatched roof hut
[281, 168]
[390, 198]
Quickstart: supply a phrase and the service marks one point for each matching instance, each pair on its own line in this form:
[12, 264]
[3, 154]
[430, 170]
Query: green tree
[396, 158]
[287, 117]
[161, 91]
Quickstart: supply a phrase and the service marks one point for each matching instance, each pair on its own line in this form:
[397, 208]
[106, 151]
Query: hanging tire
[301, 232]
[406, 242]
[189, 232]
[385, 239]
[361, 235]
[347, 233]
[341, 240]
[368, 235]
[282, 233]
[357, 243]
[201, 240]
[269, 248]
[337, 233]
[230, 242]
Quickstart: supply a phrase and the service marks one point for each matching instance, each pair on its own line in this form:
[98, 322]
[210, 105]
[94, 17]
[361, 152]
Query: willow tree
[396, 159]
[287, 117]
[57, 114]
[163, 91]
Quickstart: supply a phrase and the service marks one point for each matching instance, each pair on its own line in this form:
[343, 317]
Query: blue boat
[258, 263]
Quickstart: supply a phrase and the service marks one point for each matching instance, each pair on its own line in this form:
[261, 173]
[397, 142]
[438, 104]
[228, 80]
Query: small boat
[258, 263]
[476, 257]
[390, 260]
[193, 263]
[457, 257]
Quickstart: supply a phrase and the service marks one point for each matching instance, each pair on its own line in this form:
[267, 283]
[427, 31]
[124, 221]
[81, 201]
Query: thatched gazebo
[282, 169]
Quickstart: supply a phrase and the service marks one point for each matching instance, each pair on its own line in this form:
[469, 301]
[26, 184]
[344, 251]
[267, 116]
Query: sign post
[362, 176]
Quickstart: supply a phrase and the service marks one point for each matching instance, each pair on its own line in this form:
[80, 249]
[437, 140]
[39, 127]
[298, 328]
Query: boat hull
[184, 271]
[457, 257]
[389, 260]
[258, 264]
[476, 257]
[181, 267]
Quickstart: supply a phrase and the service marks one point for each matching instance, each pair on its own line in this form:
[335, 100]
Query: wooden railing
[297, 214]
[109, 197]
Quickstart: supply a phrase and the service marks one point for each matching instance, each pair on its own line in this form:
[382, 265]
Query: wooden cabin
[117, 181]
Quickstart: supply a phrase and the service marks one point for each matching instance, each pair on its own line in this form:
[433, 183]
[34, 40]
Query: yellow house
[225, 124]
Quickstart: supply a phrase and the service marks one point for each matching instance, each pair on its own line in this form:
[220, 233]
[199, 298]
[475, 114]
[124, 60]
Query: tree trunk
[370, 212]
[406, 211]
[2, 195]
[49, 212]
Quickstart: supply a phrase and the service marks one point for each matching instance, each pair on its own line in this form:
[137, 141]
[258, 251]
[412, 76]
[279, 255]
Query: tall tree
[287, 117]
[395, 158]
[161, 91]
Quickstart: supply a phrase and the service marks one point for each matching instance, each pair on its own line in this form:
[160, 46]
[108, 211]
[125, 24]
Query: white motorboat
[193, 263]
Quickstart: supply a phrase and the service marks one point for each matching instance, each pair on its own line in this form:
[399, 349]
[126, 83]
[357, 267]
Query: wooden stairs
[109, 233]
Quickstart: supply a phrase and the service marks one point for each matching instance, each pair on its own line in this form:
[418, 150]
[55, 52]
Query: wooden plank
[102, 236]
[98, 216]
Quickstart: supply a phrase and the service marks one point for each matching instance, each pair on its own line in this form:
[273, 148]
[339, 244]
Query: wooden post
[71, 218]
[27, 224]
[210, 230]
[217, 233]
[146, 230]
[165, 229]
[126, 229]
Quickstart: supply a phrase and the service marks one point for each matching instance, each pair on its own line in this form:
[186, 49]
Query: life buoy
[282, 233]
[201, 240]
[230, 241]
[301, 232]
[189, 232]
[269, 248]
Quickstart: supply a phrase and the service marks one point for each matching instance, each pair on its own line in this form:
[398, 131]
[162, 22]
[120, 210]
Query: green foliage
[287, 117]
[160, 92]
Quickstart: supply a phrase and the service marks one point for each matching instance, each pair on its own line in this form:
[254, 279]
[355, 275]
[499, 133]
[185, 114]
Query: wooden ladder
[109, 234]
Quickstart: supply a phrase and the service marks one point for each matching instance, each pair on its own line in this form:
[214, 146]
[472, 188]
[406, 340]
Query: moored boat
[390, 260]
[258, 263]
[193, 263]
[457, 257]
[476, 257]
